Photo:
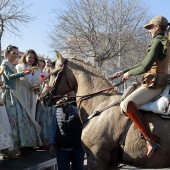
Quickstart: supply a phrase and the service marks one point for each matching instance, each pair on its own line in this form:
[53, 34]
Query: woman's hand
[62, 102]
[27, 71]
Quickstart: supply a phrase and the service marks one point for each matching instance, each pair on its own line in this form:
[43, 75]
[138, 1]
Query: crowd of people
[27, 124]
[21, 83]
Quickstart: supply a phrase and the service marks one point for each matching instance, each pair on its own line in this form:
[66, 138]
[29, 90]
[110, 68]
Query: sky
[35, 34]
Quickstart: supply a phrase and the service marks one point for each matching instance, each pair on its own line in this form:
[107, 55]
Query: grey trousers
[140, 96]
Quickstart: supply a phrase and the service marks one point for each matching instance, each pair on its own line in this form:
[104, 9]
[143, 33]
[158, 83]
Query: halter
[56, 81]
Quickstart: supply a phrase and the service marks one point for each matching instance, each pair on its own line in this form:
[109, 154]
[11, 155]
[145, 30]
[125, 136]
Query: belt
[158, 71]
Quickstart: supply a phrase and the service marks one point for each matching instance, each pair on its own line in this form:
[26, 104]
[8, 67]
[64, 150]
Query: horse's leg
[96, 164]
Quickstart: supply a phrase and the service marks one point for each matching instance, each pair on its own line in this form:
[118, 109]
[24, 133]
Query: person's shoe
[22, 151]
[10, 154]
[1, 103]
[152, 147]
[45, 147]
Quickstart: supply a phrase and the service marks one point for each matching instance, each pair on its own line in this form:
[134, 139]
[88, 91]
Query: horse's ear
[59, 56]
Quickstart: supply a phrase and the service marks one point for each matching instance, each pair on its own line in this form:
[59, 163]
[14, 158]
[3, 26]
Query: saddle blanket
[160, 105]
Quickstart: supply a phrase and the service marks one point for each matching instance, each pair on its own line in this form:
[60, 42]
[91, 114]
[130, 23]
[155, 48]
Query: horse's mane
[89, 67]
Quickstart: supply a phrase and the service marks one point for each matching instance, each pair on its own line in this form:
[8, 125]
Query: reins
[84, 97]
[99, 111]
[105, 108]
[87, 96]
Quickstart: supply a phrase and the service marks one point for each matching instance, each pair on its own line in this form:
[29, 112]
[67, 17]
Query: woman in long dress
[29, 86]
[44, 113]
[5, 127]
[25, 131]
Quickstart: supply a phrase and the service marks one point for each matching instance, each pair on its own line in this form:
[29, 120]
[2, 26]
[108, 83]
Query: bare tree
[13, 14]
[111, 28]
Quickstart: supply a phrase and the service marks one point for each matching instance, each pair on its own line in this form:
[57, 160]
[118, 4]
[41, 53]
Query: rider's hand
[126, 76]
[118, 74]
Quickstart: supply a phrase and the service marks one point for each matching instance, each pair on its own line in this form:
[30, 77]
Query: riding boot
[137, 118]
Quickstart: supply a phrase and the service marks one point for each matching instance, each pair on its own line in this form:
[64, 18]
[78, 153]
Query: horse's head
[61, 81]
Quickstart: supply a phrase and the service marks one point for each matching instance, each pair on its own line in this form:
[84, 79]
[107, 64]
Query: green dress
[24, 132]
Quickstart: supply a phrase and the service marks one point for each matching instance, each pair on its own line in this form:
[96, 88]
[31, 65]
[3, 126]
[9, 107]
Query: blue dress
[24, 131]
[5, 130]
[44, 118]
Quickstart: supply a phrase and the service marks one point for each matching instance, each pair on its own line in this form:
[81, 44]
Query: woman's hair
[42, 60]
[10, 48]
[47, 60]
[23, 58]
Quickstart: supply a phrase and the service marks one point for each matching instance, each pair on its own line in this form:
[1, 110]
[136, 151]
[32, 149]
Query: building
[79, 47]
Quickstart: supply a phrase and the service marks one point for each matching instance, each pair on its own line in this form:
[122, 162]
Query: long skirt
[5, 130]
[24, 133]
[44, 118]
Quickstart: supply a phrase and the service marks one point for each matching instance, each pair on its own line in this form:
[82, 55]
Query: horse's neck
[89, 84]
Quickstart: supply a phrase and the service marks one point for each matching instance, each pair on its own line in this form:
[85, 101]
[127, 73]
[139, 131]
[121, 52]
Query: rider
[155, 75]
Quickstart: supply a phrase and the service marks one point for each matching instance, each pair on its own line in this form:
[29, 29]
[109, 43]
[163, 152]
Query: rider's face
[154, 29]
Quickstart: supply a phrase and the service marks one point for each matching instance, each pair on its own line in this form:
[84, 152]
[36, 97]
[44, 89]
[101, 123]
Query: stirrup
[154, 147]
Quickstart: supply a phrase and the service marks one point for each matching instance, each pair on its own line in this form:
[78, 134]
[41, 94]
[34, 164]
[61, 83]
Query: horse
[107, 137]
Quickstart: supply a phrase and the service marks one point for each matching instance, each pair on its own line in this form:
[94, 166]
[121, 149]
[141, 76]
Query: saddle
[160, 105]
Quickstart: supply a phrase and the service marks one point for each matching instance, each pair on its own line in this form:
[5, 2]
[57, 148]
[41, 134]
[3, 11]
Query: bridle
[83, 97]
[57, 78]
[56, 81]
